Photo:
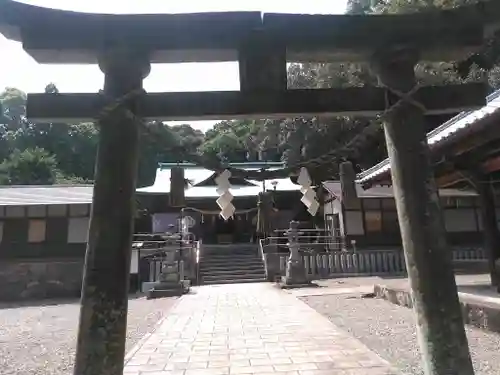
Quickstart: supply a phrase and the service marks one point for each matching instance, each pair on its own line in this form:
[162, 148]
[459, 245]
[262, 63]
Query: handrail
[197, 260]
[301, 230]
[284, 237]
[261, 249]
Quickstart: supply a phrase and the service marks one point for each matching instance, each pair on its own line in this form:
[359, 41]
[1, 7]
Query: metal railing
[327, 257]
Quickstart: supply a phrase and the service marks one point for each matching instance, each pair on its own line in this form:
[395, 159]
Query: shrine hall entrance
[238, 229]
[225, 230]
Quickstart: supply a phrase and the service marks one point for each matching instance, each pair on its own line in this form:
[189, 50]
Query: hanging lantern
[348, 184]
[177, 187]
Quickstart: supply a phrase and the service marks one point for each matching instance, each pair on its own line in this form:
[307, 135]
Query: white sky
[19, 70]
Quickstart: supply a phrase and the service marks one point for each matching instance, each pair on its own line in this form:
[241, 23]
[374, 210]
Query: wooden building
[44, 229]
[43, 238]
[465, 152]
[373, 221]
[44, 221]
[201, 196]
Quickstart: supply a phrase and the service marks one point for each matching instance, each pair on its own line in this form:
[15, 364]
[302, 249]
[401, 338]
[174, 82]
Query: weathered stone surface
[38, 279]
[104, 302]
[250, 329]
[480, 314]
[56, 36]
[272, 266]
[441, 334]
[366, 101]
[295, 274]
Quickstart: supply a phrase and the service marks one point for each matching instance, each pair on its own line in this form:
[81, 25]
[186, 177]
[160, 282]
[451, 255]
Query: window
[14, 211]
[57, 210]
[36, 211]
[371, 204]
[389, 203]
[373, 221]
[78, 228]
[460, 220]
[390, 222]
[79, 210]
[36, 231]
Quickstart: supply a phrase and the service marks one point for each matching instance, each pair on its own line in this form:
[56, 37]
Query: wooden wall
[375, 224]
[44, 231]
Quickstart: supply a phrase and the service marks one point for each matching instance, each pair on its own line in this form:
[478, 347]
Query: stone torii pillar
[104, 302]
[440, 328]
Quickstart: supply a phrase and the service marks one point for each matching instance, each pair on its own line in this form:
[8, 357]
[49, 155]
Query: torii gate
[124, 46]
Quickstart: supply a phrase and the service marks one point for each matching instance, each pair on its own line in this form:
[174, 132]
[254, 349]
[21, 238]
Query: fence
[153, 256]
[363, 262]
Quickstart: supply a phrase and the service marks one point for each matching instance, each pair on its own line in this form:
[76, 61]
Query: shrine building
[373, 223]
[200, 203]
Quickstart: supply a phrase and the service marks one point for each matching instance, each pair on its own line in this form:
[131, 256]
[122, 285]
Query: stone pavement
[250, 329]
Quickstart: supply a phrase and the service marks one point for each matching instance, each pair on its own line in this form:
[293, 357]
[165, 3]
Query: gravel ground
[389, 330]
[41, 340]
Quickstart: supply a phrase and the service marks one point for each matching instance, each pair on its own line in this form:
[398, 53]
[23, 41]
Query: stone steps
[234, 281]
[233, 271]
[230, 264]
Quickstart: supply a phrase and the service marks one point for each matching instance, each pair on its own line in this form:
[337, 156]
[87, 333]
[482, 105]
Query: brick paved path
[250, 329]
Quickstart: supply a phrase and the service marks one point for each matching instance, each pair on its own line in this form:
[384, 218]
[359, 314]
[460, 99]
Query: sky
[21, 71]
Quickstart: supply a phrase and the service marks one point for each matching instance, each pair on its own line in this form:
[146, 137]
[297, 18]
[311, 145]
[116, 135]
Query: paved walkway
[250, 329]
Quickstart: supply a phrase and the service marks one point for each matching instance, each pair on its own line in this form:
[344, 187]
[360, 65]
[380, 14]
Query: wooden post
[440, 328]
[347, 177]
[491, 234]
[177, 187]
[104, 302]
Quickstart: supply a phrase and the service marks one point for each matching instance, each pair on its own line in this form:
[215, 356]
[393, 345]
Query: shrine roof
[459, 126]
[59, 36]
[27, 195]
[197, 175]
[334, 188]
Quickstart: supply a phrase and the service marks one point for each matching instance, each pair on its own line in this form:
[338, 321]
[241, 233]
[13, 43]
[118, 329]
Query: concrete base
[479, 311]
[284, 285]
[161, 290]
[295, 274]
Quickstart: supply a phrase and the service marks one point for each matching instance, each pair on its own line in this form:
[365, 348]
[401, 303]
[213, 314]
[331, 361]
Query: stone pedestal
[171, 282]
[295, 271]
[295, 274]
[272, 266]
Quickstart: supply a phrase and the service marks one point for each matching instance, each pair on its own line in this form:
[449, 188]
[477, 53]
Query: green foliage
[70, 149]
[29, 167]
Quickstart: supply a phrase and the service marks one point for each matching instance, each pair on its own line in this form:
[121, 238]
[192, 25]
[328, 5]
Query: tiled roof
[443, 133]
[82, 194]
[197, 175]
[44, 195]
[387, 192]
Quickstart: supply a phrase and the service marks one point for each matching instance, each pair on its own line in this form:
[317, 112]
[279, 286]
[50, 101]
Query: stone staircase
[234, 263]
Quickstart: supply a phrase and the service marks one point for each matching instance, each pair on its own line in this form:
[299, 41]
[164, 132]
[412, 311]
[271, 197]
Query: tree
[29, 167]
[299, 139]
[73, 147]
